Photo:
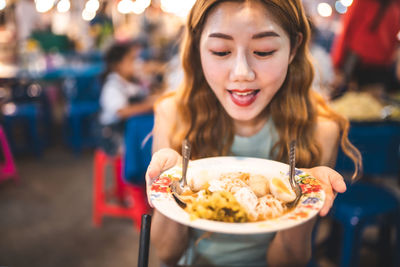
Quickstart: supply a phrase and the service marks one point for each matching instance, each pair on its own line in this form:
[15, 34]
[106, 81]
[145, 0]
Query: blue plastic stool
[138, 143]
[365, 204]
[82, 96]
[79, 119]
[27, 115]
[29, 110]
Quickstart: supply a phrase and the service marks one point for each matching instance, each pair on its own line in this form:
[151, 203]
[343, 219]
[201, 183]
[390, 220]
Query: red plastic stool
[8, 169]
[131, 200]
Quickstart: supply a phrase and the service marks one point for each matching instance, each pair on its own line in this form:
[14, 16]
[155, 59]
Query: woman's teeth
[243, 93]
[243, 98]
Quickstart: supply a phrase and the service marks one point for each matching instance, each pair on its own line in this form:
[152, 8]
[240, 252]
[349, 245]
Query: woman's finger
[161, 161]
[336, 185]
[329, 198]
[332, 183]
[337, 182]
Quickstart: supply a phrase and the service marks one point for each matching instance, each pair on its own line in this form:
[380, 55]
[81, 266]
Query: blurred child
[122, 94]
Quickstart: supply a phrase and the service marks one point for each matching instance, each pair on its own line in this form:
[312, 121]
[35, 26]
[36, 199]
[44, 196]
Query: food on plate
[358, 106]
[218, 206]
[241, 197]
[259, 185]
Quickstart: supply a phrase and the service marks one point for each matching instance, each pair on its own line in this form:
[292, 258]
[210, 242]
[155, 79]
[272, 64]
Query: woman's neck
[250, 128]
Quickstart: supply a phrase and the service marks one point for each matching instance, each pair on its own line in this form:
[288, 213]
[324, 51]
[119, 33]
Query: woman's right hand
[161, 161]
[168, 237]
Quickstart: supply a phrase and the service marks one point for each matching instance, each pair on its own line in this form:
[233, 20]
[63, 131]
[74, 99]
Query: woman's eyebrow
[265, 34]
[255, 36]
[221, 35]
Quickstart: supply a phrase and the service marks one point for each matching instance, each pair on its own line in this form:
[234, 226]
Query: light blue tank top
[215, 249]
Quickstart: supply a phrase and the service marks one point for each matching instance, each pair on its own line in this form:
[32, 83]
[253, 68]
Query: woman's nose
[242, 70]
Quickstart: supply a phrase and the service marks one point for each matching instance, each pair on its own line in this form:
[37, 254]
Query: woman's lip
[242, 90]
[243, 98]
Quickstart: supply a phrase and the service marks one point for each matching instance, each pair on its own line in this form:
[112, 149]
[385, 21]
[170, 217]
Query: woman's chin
[241, 116]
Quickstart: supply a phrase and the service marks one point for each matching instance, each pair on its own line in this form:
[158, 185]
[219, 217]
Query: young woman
[246, 92]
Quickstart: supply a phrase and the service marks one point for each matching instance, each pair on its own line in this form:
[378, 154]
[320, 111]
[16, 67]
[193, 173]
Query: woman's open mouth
[245, 97]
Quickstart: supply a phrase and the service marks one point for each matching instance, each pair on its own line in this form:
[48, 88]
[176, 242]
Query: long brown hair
[294, 109]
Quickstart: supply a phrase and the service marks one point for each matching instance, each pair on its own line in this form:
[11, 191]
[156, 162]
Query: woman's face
[245, 56]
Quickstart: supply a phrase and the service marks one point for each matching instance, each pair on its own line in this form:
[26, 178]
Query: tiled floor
[46, 219]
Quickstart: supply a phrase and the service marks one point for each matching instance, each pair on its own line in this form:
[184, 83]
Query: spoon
[178, 187]
[295, 186]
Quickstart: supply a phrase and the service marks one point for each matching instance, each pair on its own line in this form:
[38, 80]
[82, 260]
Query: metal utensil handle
[186, 148]
[292, 161]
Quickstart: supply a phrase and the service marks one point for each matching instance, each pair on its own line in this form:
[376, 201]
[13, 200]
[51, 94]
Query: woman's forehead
[241, 17]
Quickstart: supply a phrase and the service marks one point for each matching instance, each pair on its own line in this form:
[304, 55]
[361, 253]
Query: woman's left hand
[332, 183]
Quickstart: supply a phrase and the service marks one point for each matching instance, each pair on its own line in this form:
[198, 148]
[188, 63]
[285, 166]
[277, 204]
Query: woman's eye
[264, 54]
[220, 54]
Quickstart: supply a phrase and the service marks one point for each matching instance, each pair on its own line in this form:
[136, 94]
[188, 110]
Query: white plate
[209, 168]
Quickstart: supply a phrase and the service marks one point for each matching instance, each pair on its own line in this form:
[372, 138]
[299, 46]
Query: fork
[177, 187]
[186, 149]
[295, 186]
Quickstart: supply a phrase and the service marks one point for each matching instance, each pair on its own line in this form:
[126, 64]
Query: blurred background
[71, 181]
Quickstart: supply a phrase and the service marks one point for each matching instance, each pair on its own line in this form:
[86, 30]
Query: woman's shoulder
[165, 111]
[327, 128]
[327, 123]
[327, 135]
[166, 105]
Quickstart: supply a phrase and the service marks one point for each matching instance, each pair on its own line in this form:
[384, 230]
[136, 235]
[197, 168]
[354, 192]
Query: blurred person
[246, 92]
[364, 50]
[323, 34]
[174, 72]
[152, 32]
[324, 73]
[160, 30]
[101, 28]
[122, 94]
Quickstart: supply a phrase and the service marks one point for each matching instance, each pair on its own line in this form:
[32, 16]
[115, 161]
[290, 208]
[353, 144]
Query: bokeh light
[3, 4]
[63, 6]
[324, 10]
[88, 15]
[346, 3]
[139, 6]
[177, 7]
[43, 6]
[125, 6]
[9, 108]
[340, 8]
[92, 5]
